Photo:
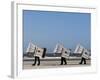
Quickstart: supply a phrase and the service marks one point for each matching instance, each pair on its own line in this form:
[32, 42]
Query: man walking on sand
[39, 53]
[64, 55]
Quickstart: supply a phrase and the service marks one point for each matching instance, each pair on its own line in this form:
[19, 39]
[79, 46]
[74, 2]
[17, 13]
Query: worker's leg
[38, 60]
[35, 61]
[81, 60]
[65, 60]
[84, 60]
[61, 61]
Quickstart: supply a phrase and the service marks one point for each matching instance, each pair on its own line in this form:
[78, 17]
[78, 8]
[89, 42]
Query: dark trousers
[83, 60]
[37, 59]
[63, 60]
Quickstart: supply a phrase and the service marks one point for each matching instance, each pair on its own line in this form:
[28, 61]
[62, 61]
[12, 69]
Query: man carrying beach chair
[83, 52]
[39, 53]
[85, 55]
[64, 53]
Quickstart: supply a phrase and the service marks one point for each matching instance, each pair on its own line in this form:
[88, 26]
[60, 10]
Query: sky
[47, 28]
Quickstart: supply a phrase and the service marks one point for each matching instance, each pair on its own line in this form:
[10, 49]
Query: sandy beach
[53, 62]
